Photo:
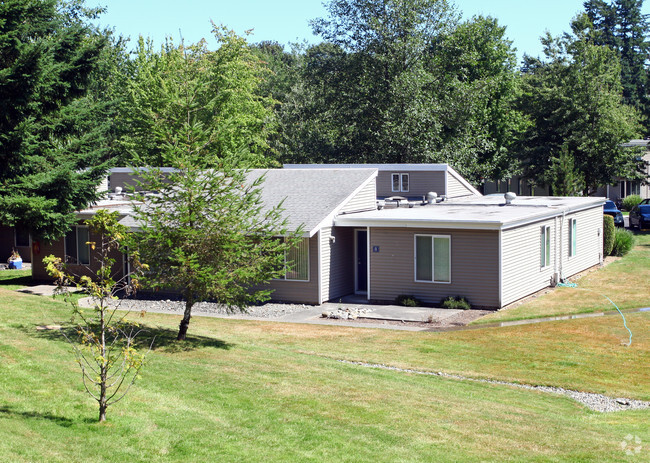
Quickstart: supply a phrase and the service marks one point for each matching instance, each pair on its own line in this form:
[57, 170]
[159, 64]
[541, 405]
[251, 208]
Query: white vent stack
[510, 197]
[118, 190]
[432, 197]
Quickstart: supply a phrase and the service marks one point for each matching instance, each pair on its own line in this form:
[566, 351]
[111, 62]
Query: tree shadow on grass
[163, 339]
[60, 420]
[7, 279]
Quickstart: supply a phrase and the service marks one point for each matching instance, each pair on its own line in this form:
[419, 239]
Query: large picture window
[433, 258]
[545, 245]
[400, 183]
[77, 250]
[297, 262]
[573, 240]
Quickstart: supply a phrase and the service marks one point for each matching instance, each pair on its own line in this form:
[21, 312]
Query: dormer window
[400, 183]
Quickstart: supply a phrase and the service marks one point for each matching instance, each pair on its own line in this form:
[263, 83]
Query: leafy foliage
[456, 303]
[624, 241]
[51, 160]
[105, 352]
[574, 103]
[630, 201]
[407, 301]
[402, 81]
[609, 231]
[220, 88]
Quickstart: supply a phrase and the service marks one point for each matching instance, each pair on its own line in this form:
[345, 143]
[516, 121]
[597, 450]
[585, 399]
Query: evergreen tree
[574, 102]
[621, 26]
[50, 163]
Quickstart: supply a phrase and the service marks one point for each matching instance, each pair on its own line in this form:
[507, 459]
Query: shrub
[630, 201]
[458, 302]
[407, 301]
[624, 241]
[608, 234]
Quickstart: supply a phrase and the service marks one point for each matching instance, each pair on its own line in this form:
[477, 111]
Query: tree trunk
[102, 411]
[185, 323]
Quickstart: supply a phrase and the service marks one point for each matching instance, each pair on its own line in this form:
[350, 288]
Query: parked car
[640, 215]
[611, 209]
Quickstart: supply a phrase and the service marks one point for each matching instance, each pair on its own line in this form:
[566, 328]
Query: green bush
[458, 302]
[624, 241]
[608, 234]
[630, 201]
[407, 301]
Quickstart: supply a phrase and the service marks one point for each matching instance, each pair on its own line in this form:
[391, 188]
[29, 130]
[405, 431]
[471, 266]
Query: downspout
[368, 263]
[500, 267]
[320, 268]
[561, 270]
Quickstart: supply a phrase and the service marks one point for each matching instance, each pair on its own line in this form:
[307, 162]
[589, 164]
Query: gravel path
[596, 402]
[204, 308]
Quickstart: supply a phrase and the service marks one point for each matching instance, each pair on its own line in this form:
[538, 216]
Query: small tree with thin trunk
[105, 350]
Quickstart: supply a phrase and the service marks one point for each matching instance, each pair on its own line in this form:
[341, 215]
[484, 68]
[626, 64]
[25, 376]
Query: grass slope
[254, 391]
[625, 281]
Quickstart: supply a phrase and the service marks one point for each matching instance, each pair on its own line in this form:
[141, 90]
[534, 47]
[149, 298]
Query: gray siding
[420, 183]
[474, 266]
[522, 273]
[337, 262]
[589, 247]
[305, 292]
[364, 200]
[455, 189]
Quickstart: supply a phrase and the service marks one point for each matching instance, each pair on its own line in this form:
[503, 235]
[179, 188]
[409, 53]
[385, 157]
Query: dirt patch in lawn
[459, 319]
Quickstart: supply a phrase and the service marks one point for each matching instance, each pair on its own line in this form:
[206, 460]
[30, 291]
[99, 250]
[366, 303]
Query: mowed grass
[253, 391]
[15, 279]
[626, 282]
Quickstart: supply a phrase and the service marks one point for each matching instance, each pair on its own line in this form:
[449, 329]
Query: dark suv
[611, 209]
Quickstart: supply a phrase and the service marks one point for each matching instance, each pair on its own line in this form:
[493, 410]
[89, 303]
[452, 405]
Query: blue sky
[286, 21]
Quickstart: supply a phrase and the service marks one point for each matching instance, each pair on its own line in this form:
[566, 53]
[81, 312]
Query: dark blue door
[362, 261]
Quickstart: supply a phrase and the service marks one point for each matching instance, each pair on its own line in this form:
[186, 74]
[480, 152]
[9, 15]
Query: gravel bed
[596, 402]
[207, 308]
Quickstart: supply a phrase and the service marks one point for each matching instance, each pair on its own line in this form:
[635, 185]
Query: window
[632, 187]
[573, 228]
[77, 250]
[545, 242]
[400, 182]
[296, 262]
[21, 236]
[433, 258]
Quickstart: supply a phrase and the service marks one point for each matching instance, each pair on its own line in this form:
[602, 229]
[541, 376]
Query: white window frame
[76, 236]
[573, 236]
[400, 177]
[545, 254]
[284, 277]
[433, 259]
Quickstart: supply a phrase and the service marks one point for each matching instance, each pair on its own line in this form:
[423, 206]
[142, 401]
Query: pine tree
[50, 163]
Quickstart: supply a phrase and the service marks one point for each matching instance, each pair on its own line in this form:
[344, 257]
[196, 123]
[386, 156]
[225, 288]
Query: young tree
[109, 361]
[205, 230]
[50, 163]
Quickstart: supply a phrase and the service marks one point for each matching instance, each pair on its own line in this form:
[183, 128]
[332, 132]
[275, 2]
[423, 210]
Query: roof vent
[510, 197]
[432, 197]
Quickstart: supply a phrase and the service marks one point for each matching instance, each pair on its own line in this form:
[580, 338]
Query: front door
[361, 272]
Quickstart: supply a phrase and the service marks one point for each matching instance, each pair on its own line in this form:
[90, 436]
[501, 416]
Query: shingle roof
[311, 197]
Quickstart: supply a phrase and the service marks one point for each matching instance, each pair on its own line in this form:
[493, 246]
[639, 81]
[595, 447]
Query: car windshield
[610, 205]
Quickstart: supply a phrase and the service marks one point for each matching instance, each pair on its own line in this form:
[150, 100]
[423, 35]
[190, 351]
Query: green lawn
[256, 391]
[14, 279]
[626, 282]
